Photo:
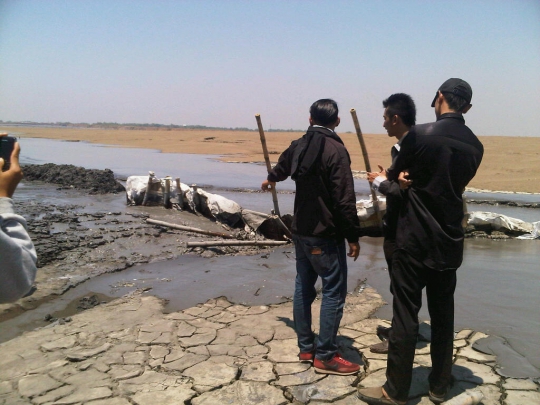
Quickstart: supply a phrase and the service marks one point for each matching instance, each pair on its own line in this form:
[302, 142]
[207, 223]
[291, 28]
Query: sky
[218, 63]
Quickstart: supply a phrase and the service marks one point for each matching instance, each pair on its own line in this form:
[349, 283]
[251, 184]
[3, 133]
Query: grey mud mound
[69, 176]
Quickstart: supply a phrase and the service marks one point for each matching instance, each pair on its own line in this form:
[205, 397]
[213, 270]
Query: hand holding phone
[11, 173]
[7, 143]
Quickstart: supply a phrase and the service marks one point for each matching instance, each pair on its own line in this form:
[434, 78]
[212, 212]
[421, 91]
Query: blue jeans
[325, 258]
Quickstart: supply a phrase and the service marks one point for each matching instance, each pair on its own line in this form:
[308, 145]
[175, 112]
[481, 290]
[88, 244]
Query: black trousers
[408, 278]
[389, 247]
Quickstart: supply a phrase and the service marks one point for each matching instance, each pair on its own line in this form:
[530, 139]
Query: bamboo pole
[269, 168]
[237, 243]
[267, 160]
[188, 228]
[368, 166]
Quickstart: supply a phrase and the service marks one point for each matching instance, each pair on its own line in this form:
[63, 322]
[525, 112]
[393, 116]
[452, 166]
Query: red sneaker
[336, 365]
[306, 356]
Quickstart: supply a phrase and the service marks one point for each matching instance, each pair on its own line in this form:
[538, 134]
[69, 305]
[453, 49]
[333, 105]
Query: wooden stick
[167, 192]
[361, 139]
[269, 168]
[237, 243]
[179, 196]
[188, 228]
[366, 161]
[267, 160]
[148, 187]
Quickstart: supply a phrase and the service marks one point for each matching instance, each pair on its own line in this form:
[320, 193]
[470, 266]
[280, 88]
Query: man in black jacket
[324, 216]
[441, 157]
[399, 116]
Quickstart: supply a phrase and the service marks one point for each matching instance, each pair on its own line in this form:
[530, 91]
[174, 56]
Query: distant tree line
[115, 125]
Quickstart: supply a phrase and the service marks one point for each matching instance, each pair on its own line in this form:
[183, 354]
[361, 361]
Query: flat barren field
[509, 164]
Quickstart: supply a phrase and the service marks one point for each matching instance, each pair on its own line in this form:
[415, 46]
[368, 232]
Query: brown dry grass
[510, 163]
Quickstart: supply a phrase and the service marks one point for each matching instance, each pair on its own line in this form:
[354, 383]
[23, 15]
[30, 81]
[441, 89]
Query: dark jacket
[325, 202]
[394, 198]
[441, 157]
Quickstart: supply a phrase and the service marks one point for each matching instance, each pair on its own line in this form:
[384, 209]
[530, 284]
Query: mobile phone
[7, 143]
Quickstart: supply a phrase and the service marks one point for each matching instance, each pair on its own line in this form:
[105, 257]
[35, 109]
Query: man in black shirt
[324, 216]
[441, 157]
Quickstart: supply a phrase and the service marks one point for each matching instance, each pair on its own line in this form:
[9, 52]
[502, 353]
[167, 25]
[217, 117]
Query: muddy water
[201, 169]
[497, 285]
[497, 292]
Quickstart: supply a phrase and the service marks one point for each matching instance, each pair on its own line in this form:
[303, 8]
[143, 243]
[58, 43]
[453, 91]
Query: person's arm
[281, 170]
[376, 179]
[17, 253]
[354, 250]
[404, 181]
[379, 182]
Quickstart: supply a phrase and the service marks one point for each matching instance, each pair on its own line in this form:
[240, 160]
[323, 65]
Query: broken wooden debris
[189, 229]
[237, 243]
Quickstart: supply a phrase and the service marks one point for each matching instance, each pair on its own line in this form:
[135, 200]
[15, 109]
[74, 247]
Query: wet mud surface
[84, 228]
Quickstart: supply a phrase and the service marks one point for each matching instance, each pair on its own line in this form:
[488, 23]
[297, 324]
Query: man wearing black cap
[441, 157]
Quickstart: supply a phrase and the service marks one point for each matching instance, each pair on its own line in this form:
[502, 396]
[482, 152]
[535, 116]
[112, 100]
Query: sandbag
[498, 222]
[136, 187]
[218, 207]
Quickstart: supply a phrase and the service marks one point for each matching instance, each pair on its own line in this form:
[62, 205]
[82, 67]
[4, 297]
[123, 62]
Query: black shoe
[381, 347]
[383, 332]
[438, 398]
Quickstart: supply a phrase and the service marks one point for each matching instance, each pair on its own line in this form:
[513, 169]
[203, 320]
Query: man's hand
[10, 178]
[268, 185]
[404, 182]
[354, 250]
[371, 176]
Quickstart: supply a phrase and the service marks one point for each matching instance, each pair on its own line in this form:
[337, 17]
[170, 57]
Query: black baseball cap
[457, 87]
